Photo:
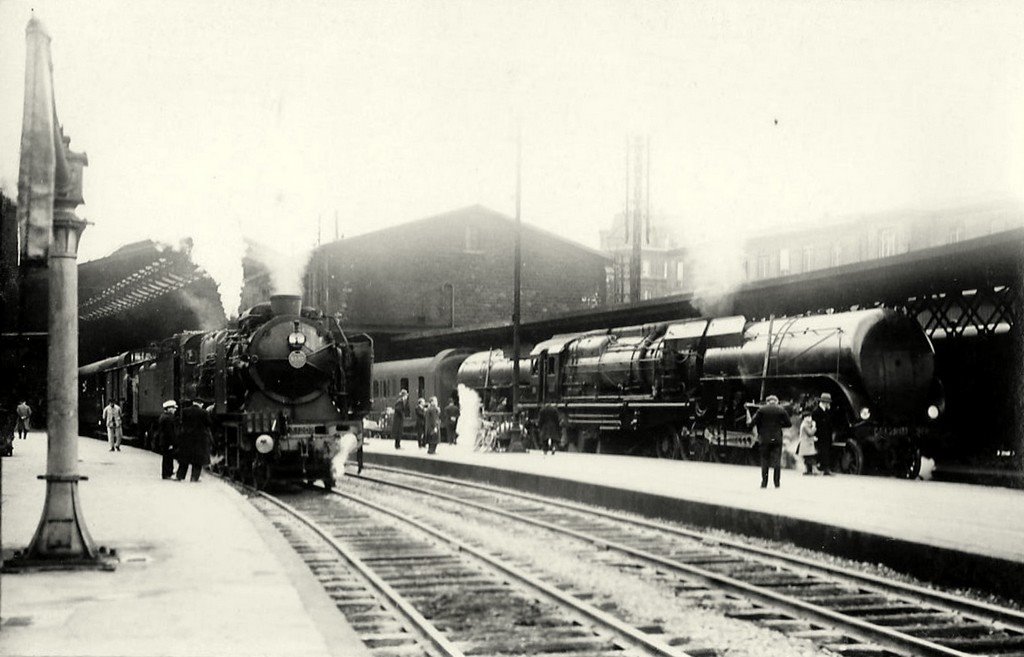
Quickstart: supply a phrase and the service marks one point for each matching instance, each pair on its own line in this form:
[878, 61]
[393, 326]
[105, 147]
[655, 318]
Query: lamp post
[50, 188]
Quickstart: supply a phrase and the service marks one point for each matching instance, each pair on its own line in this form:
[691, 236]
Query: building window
[404, 384]
[807, 258]
[421, 386]
[784, 261]
[664, 269]
[646, 295]
[886, 242]
[762, 265]
[376, 388]
[833, 255]
[472, 238]
[680, 270]
[645, 268]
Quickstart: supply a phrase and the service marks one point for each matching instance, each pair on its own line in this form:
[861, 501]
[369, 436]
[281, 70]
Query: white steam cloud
[347, 446]
[286, 265]
[469, 416]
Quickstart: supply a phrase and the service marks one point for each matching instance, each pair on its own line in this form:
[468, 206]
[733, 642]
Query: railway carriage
[433, 376]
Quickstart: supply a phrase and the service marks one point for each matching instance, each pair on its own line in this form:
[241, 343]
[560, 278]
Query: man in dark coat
[432, 425]
[398, 419]
[451, 420]
[824, 419]
[770, 420]
[421, 421]
[193, 440]
[166, 438]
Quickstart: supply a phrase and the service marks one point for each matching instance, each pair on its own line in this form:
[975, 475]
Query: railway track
[411, 589]
[847, 611]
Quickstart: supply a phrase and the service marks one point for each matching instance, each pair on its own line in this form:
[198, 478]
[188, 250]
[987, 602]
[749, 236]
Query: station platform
[949, 533]
[200, 570]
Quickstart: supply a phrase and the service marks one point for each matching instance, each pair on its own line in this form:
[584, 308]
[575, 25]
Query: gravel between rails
[877, 570]
[650, 599]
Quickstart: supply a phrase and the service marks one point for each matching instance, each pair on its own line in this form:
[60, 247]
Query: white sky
[205, 118]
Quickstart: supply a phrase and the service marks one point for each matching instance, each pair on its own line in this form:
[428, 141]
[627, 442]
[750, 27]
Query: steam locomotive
[682, 389]
[281, 389]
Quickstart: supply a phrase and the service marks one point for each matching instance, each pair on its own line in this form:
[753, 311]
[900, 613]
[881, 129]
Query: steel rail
[1012, 618]
[863, 630]
[427, 631]
[635, 638]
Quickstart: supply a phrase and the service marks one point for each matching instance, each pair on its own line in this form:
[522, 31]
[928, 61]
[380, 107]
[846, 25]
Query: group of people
[183, 436]
[433, 424]
[816, 431]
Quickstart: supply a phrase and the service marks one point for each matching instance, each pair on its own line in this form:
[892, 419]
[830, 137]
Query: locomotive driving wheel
[667, 443]
[851, 459]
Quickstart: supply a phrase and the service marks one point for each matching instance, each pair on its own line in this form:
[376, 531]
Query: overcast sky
[215, 118]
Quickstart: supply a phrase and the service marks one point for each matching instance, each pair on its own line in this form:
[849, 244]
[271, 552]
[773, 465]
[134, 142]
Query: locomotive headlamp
[296, 339]
[933, 412]
[264, 444]
[865, 413]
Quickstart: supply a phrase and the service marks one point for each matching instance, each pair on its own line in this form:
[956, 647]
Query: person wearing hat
[194, 438]
[769, 420]
[398, 419]
[166, 438]
[824, 420]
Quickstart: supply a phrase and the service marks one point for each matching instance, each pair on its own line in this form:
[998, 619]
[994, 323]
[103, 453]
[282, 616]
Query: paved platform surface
[958, 533]
[201, 572]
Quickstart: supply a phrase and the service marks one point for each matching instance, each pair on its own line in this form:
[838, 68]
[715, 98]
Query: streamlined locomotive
[281, 389]
[682, 389]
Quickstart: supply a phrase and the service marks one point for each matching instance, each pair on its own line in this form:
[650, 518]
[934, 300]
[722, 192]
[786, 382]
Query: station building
[671, 259]
[449, 270]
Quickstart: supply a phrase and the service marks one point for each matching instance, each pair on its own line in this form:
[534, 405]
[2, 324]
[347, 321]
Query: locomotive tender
[681, 389]
[281, 388]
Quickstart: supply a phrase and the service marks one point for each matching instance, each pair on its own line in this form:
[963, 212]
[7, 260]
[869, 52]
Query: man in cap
[398, 419]
[824, 419]
[166, 438]
[770, 420]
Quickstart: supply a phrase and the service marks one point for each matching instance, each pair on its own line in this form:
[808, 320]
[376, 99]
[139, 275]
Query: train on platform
[282, 388]
[683, 389]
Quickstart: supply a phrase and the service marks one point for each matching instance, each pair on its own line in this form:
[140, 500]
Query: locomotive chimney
[285, 304]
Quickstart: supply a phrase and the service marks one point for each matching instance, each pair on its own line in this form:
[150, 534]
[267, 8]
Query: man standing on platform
[824, 419]
[451, 419]
[24, 412]
[193, 440]
[167, 438]
[398, 419]
[112, 418]
[770, 420]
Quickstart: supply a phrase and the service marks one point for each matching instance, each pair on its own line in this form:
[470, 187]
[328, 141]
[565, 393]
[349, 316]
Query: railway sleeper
[919, 618]
[859, 650]
[993, 643]
[390, 640]
[532, 645]
[849, 600]
[941, 632]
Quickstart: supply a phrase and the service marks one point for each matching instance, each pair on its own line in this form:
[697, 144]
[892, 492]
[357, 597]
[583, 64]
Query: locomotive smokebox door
[297, 359]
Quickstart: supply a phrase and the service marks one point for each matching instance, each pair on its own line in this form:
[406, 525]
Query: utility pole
[516, 442]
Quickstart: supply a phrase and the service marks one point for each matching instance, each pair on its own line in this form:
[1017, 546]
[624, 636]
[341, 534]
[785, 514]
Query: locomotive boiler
[682, 389]
[281, 388]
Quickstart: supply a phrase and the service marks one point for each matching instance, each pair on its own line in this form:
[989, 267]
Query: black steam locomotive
[682, 389]
[281, 388]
